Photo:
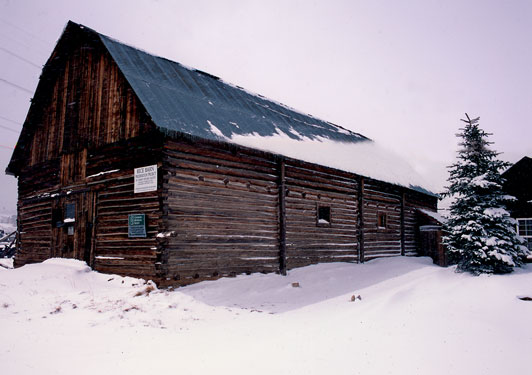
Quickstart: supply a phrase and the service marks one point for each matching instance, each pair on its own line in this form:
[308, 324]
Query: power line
[25, 31]
[9, 148]
[20, 57]
[15, 85]
[9, 120]
[28, 44]
[8, 128]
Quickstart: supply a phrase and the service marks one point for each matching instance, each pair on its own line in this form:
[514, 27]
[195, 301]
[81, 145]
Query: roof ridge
[290, 114]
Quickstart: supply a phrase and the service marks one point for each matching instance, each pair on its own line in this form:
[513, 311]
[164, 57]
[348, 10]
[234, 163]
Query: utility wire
[27, 43]
[20, 57]
[25, 31]
[8, 128]
[9, 120]
[9, 148]
[15, 85]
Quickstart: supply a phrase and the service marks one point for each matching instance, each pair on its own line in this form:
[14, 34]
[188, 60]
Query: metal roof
[180, 99]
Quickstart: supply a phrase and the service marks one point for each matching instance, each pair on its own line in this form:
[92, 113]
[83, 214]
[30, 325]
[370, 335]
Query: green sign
[136, 225]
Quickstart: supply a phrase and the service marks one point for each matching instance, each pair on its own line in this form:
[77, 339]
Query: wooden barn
[131, 162]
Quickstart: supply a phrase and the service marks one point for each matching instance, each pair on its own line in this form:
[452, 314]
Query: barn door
[72, 223]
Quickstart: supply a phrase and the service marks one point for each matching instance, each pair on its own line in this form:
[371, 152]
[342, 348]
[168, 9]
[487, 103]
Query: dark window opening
[70, 212]
[324, 215]
[57, 218]
[381, 220]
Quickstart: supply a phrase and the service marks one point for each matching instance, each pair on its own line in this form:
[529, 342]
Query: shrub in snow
[480, 235]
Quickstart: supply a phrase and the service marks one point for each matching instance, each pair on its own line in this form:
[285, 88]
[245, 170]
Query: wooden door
[73, 221]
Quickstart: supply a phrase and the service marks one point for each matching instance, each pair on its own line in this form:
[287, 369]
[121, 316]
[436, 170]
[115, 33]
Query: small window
[381, 220]
[324, 215]
[70, 213]
[524, 229]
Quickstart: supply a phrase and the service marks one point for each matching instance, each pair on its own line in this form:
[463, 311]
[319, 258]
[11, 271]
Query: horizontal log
[320, 252]
[216, 171]
[316, 231]
[214, 240]
[192, 246]
[205, 192]
[217, 203]
[172, 156]
[195, 179]
[175, 219]
[308, 171]
[236, 214]
[324, 195]
[302, 220]
[322, 185]
[250, 156]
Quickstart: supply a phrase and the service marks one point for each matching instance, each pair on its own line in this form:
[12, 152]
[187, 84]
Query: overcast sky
[400, 72]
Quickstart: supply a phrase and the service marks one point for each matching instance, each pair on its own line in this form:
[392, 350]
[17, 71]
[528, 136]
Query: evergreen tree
[480, 235]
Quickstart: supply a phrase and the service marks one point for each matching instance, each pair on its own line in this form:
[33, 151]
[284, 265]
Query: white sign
[146, 179]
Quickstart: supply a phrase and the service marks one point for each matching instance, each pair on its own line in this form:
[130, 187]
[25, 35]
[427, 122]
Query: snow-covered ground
[412, 317]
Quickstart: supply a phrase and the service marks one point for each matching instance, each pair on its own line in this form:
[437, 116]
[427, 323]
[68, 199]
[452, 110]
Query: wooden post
[403, 223]
[94, 211]
[282, 218]
[361, 220]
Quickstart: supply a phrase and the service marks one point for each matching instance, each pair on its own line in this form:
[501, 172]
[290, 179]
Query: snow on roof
[363, 158]
[185, 100]
[435, 215]
[182, 99]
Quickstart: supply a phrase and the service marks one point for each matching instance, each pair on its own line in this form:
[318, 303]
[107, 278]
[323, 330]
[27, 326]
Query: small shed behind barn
[143, 167]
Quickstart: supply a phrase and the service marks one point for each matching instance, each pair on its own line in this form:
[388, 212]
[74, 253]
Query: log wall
[220, 212]
[230, 210]
[110, 177]
[35, 186]
[102, 189]
[381, 198]
[308, 242]
[35, 232]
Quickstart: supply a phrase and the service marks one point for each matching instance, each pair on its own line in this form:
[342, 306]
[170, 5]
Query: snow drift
[411, 317]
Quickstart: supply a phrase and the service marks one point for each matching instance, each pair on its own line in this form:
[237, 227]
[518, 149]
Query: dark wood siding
[220, 207]
[82, 102]
[110, 175]
[35, 232]
[35, 187]
[381, 198]
[413, 202]
[114, 251]
[307, 188]
[84, 121]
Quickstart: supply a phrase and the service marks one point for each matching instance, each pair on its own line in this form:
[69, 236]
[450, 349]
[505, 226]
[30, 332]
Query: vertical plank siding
[221, 210]
[88, 104]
